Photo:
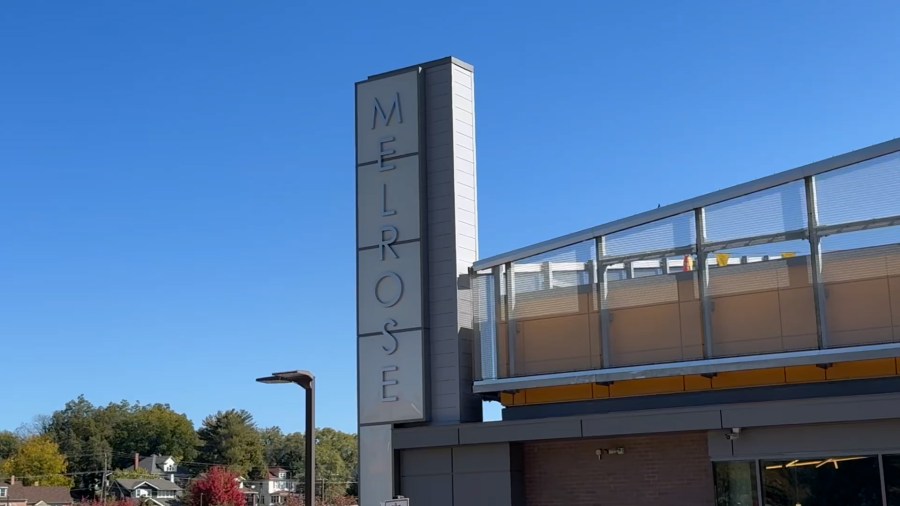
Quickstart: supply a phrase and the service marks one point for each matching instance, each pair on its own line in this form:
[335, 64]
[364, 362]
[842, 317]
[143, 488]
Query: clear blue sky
[177, 183]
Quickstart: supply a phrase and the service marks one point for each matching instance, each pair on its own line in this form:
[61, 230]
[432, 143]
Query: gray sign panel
[387, 208]
[390, 299]
[387, 117]
[390, 291]
[392, 389]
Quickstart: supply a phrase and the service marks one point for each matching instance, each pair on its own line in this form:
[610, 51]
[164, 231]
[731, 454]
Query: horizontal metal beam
[856, 226]
[710, 366]
[740, 190]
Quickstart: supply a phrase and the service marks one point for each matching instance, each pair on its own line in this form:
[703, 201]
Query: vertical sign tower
[416, 238]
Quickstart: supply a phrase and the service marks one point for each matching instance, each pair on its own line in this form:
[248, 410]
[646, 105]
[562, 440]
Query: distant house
[276, 488]
[163, 466]
[16, 494]
[248, 488]
[159, 491]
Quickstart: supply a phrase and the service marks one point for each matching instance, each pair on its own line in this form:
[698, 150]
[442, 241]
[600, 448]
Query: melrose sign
[390, 256]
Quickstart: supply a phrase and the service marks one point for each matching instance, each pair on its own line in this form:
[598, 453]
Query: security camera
[733, 434]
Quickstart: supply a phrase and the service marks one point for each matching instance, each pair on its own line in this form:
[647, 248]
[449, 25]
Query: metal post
[602, 292]
[310, 442]
[512, 330]
[307, 381]
[497, 274]
[815, 258]
[703, 281]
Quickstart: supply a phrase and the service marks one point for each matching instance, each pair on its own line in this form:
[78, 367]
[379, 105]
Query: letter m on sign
[387, 116]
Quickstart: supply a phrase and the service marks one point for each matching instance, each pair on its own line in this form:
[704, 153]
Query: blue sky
[176, 178]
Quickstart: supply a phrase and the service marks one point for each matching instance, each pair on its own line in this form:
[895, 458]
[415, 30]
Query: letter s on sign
[394, 343]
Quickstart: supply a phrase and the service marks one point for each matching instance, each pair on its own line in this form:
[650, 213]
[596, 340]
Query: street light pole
[307, 381]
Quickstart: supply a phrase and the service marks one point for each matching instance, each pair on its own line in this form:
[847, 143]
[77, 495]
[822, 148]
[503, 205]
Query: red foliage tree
[219, 487]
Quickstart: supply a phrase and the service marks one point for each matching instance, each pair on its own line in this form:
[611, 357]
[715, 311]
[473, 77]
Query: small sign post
[399, 501]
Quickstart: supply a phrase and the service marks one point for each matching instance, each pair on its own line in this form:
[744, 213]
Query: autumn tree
[230, 438]
[218, 487]
[38, 460]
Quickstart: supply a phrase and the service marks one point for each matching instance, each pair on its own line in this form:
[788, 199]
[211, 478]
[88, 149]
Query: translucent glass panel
[554, 326]
[761, 299]
[765, 213]
[863, 191]
[649, 293]
[760, 279]
[861, 273]
[662, 235]
[485, 308]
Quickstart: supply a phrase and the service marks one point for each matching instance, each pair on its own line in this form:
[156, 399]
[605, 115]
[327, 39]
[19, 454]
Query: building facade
[737, 348]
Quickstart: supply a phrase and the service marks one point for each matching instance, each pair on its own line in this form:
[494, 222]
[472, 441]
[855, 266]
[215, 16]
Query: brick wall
[667, 470]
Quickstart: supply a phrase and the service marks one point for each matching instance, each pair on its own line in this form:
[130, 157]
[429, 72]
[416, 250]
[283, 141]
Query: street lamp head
[302, 378]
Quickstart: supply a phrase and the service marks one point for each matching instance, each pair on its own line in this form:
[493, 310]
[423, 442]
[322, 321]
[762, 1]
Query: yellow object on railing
[722, 259]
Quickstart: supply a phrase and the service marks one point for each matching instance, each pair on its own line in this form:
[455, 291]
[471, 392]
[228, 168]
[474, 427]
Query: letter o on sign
[388, 289]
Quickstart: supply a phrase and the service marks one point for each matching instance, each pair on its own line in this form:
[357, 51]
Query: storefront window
[892, 479]
[816, 481]
[736, 484]
[835, 481]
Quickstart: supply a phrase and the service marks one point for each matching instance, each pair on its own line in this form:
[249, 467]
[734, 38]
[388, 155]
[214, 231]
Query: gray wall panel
[499, 432]
[435, 490]
[452, 246]
[611, 425]
[376, 475]
[841, 438]
[481, 458]
[426, 461]
[421, 437]
[719, 446]
[813, 411]
[482, 489]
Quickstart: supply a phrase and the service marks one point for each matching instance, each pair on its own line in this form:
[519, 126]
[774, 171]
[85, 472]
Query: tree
[337, 460]
[230, 438]
[131, 474]
[154, 429]
[9, 444]
[83, 433]
[217, 487]
[284, 450]
[38, 460]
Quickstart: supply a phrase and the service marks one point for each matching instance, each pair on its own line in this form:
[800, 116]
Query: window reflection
[736, 484]
[829, 481]
[821, 481]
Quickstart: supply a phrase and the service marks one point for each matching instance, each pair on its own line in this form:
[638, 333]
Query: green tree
[83, 434]
[130, 474]
[38, 460]
[337, 461]
[230, 438]
[9, 444]
[273, 445]
[284, 450]
[153, 429]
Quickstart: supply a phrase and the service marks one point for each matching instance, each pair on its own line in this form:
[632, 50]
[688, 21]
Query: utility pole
[103, 480]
